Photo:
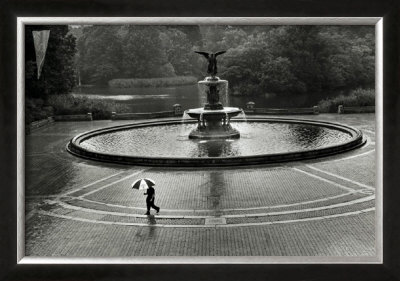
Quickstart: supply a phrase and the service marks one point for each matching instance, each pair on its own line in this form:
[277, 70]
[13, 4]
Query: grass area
[152, 82]
[358, 97]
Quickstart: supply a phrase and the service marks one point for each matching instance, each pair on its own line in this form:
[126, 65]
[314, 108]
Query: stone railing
[77, 117]
[251, 109]
[127, 116]
[38, 124]
[355, 109]
[44, 122]
[177, 111]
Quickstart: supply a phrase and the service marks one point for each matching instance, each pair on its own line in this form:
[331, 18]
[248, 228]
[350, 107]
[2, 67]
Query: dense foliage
[358, 97]
[278, 60]
[69, 104]
[316, 62]
[313, 60]
[152, 82]
[109, 52]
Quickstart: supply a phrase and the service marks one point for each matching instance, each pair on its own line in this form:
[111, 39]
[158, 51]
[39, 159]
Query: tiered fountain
[213, 119]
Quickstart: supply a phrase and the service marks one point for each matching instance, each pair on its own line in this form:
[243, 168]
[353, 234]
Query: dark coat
[150, 194]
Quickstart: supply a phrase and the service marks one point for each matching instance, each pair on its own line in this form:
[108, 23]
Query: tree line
[109, 52]
[262, 59]
[276, 60]
[312, 60]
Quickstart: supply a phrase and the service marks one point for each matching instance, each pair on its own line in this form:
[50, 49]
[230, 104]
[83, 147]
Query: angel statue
[212, 61]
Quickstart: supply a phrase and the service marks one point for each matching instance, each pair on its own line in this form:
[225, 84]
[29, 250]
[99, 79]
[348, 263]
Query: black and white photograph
[201, 140]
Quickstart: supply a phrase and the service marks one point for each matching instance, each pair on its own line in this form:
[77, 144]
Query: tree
[305, 50]
[299, 60]
[212, 36]
[99, 54]
[143, 55]
[277, 77]
[351, 60]
[178, 50]
[58, 73]
[232, 37]
[242, 65]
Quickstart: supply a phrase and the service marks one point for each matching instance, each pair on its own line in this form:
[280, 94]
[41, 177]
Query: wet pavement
[82, 208]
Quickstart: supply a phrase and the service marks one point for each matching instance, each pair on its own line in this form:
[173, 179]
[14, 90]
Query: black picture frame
[11, 9]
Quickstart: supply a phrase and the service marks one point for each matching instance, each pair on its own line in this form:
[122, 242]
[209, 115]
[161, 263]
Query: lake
[163, 98]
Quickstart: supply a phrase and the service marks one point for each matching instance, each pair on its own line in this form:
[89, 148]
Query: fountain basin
[214, 124]
[230, 111]
[263, 141]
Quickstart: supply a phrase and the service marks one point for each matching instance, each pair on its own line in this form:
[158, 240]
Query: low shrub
[69, 105]
[35, 109]
[358, 97]
[152, 82]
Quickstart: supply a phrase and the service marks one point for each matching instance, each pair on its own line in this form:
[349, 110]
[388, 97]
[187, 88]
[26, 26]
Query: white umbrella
[143, 184]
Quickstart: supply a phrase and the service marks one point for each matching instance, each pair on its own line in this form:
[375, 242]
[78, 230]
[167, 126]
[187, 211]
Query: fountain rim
[76, 149]
[225, 109]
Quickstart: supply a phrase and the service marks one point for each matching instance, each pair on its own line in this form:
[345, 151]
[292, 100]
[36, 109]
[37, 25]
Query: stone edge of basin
[356, 141]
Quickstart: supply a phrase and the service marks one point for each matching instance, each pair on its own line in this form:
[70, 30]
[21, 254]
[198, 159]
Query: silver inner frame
[376, 21]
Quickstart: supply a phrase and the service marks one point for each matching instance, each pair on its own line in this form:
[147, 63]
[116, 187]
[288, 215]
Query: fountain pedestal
[214, 119]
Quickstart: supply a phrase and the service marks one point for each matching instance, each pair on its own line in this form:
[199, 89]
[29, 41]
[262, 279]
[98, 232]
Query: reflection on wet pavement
[110, 221]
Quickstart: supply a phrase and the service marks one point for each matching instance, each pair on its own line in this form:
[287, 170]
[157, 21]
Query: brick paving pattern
[82, 208]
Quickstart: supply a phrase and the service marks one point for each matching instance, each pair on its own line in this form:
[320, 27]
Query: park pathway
[81, 208]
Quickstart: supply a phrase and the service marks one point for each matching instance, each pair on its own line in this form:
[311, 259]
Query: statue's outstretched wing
[220, 53]
[203, 53]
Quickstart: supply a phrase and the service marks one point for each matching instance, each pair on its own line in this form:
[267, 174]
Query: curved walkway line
[368, 131]
[205, 226]
[300, 220]
[325, 180]
[349, 203]
[90, 184]
[342, 178]
[334, 206]
[112, 183]
[346, 158]
[223, 210]
[351, 157]
[368, 143]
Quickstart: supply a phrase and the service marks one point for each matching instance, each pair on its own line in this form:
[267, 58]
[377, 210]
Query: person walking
[150, 200]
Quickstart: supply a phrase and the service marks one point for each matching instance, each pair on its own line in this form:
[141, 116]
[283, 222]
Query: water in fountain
[184, 129]
[266, 138]
[242, 118]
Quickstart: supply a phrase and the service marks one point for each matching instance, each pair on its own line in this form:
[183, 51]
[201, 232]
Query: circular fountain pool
[263, 140]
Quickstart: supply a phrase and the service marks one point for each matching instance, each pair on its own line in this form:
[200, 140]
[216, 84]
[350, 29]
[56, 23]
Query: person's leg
[154, 206]
[148, 204]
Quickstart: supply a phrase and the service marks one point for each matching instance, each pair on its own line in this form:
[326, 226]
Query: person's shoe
[147, 213]
[158, 210]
